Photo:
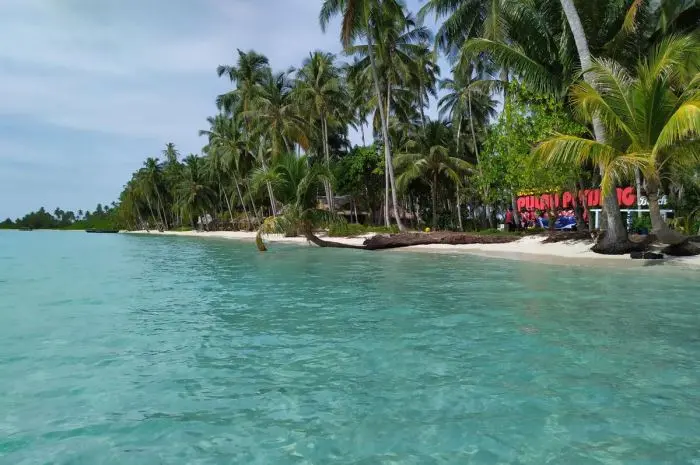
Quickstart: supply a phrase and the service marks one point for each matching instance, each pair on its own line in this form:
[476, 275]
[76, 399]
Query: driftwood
[393, 241]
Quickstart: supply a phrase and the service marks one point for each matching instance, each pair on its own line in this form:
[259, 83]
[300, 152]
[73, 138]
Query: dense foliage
[540, 62]
[103, 217]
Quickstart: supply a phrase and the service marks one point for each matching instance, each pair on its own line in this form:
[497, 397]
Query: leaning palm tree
[298, 182]
[321, 96]
[652, 122]
[365, 18]
[430, 160]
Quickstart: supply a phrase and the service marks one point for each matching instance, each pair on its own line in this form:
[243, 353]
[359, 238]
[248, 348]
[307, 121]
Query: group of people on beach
[565, 219]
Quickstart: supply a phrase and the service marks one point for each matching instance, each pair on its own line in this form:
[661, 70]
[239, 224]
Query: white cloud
[139, 70]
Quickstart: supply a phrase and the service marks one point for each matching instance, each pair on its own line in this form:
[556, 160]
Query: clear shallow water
[153, 350]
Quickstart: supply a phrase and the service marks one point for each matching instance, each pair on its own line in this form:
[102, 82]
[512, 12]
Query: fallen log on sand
[393, 241]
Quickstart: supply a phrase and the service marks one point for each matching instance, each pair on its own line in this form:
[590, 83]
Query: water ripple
[145, 350]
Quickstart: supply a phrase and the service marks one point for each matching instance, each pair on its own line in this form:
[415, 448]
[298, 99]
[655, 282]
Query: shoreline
[529, 249]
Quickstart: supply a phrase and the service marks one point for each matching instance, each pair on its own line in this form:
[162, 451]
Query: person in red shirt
[510, 220]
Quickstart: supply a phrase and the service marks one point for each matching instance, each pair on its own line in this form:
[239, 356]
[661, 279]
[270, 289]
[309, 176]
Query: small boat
[25, 229]
[102, 231]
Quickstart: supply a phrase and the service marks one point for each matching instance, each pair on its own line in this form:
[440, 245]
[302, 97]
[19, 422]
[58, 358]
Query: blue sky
[90, 88]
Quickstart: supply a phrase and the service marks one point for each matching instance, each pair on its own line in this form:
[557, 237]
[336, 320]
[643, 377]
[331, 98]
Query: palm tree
[248, 75]
[615, 238]
[359, 96]
[275, 114]
[298, 182]
[652, 122]
[194, 196]
[430, 160]
[425, 77]
[360, 19]
[225, 137]
[152, 172]
[320, 93]
[468, 96]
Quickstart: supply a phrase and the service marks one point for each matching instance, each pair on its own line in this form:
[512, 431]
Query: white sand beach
[528, 248]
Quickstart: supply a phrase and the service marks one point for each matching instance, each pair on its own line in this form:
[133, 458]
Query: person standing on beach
[510, 220]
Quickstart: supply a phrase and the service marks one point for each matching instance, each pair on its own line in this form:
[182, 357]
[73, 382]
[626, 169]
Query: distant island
[103, 217]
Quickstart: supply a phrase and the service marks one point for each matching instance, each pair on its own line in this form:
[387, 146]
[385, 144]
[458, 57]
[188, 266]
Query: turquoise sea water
[152, 350]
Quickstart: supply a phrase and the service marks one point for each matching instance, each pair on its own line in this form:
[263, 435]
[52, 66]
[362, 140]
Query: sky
[90, 88]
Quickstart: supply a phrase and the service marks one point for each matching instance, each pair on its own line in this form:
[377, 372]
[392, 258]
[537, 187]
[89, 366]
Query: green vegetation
[101, 218]
[608, 92]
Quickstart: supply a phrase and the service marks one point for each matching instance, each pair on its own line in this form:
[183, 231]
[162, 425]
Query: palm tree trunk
[327, 184]
[459, 211]
[433, 188]
[272, 198]
[659, 227]
[150, 207]
[160, 202]
[252, 202]
[387, 222]
[615, 240]
[311, 237]
[385, 123]
[420, 104]
[228, 203]
[476, 148]
[240, 197]
[362, 132]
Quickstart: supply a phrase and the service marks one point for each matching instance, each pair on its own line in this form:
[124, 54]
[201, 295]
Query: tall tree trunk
[272, 198]
[160, 202]
[150, 207]
[362, 132]
[392, 177]
[326, 151]
[434, 195]
[240, 197]
[255, 209]
[420, 104]
[385, 122]
[228, 204]
[614, 240]
[387, 221]
[459, 211]
[659, 227]
[485, 190]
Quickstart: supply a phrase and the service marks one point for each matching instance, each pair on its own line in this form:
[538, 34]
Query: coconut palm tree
[430, 160]
[298, 183]
[652, 122]
[425, 76]
[275, 115]
[226, 138]
[615, 237]
[320, 94]
[152, 172]
[194, 196]
[365, 18]
[469, 97]
[360, 94]
[248, 75]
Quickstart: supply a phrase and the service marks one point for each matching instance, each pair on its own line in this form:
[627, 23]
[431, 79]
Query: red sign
[625, 197]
